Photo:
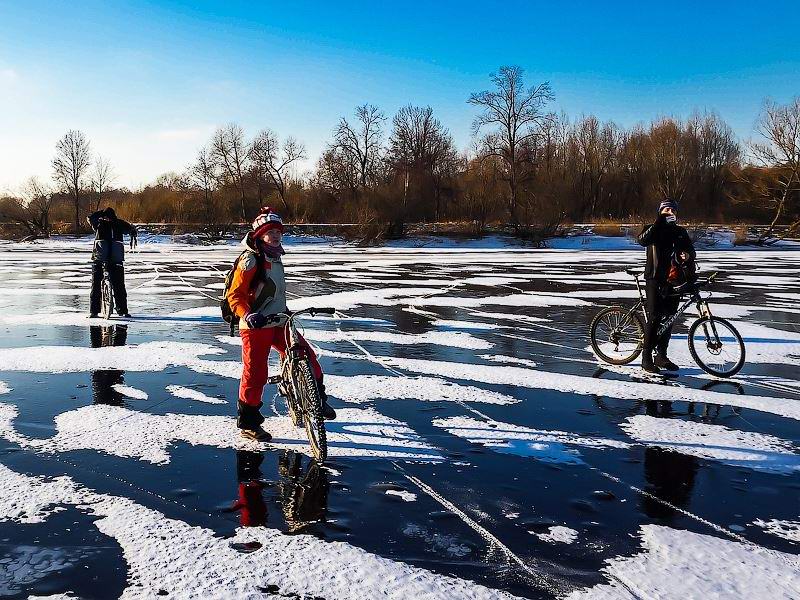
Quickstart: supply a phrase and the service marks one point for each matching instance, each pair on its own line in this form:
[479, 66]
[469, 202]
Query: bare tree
[779, 126]
[516, 115]
[274, 162]
[31, 209]
[202, 174]
[72, 160]
[230, 151]
[102, 178]
[421, 149]
[672, 159]
[337, 173]
[597, 146]
[362, 142]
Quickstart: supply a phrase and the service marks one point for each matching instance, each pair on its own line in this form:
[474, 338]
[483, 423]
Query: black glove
[255, 320]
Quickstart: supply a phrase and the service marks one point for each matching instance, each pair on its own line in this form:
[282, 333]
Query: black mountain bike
[106, 293]
[297, 384]
[617, 333]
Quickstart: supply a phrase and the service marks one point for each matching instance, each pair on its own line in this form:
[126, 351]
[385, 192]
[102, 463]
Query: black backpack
[227, 314]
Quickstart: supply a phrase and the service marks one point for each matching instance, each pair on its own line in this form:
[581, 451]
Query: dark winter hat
[265, 221]
[668, 204]
[110, 213]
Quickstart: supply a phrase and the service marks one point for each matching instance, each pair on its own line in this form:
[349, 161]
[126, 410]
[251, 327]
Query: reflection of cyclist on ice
[109, 249]
[257, 292]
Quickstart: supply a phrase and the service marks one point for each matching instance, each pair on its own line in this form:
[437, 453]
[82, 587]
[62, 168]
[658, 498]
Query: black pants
[659, 306]
[117, 274]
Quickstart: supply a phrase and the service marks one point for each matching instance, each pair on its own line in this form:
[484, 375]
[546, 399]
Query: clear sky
[149, 81]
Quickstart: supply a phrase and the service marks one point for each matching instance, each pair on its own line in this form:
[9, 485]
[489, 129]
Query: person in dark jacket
[665, 240]
[110, 249]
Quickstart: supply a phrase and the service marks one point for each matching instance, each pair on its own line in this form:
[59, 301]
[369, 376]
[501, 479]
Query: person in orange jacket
[258, 291]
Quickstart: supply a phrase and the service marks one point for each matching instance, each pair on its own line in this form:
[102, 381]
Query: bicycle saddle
[633, 272]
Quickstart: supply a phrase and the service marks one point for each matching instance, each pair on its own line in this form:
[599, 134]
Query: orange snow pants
[256, 345]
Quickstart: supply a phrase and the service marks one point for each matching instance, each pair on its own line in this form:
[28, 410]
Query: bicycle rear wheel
[311, 402]
[107, 295]
[716, 346]
[617, 336]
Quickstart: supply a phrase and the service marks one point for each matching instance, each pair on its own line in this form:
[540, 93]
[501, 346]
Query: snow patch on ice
[130, 392]
[558, 534]
[180, 391]
[149, 356]
[788, 530]
[547, 446]
[366, 388]
[672, 568]
[745, 449]
[453, 339]
[119, 431]
[404, 495]
[4, 388]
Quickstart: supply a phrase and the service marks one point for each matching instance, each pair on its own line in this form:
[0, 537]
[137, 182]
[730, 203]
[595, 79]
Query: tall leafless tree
[273, 162]
[72, 160]
[202, 175]
[362, 142]
[779, 126]
[421, 149]
[230, 151]
[671, 160]
[102, 178]
[515, 115]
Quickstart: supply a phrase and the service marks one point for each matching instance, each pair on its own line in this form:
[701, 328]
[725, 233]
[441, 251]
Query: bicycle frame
[702, 307]
[294, 349]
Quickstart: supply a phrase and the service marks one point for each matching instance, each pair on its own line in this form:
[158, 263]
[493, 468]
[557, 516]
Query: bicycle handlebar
[311, 311]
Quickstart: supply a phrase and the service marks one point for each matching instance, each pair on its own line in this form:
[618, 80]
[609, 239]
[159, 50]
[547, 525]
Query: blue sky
[149, 81]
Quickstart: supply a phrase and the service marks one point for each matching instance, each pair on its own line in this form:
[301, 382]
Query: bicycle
[106, 293]
[297, 384]
[617, 333]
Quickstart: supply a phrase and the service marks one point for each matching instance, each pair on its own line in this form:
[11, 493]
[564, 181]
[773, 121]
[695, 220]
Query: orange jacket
[267, 295]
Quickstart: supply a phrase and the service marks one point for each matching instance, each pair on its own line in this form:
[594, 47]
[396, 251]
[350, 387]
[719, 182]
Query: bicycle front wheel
[716, 346]
[311, 402]
[617, 336]
[107, 295]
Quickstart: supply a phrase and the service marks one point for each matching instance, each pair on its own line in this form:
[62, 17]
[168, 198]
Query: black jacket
[110, 230]
[662, 240]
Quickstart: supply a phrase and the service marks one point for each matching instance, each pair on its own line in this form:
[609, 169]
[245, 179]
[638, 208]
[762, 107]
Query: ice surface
[576, 384]
[191, 562]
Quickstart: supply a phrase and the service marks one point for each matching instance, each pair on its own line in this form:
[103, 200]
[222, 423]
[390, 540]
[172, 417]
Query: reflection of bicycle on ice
[617, 333]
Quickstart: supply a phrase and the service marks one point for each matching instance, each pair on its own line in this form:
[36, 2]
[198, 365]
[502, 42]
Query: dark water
[511, 495]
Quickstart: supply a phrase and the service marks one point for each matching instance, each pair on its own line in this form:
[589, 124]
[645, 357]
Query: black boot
[647, 362]
[327, 411]
[249, 422]
[662, 362]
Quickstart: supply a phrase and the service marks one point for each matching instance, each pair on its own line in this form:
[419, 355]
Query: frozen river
[481, 450]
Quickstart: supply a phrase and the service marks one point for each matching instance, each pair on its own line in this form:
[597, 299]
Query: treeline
[527, 169]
